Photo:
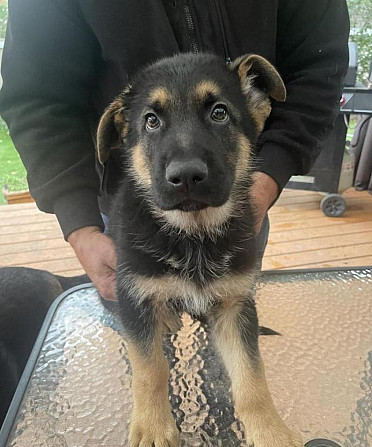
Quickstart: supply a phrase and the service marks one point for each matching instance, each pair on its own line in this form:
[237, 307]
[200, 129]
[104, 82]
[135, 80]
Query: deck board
[319, 243]
[36, 235]
[277, 237]
[300, 237]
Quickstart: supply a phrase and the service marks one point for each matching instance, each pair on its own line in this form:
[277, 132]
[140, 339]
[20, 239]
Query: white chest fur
[196, 299]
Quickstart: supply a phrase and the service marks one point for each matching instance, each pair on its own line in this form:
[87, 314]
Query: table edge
[31, 362]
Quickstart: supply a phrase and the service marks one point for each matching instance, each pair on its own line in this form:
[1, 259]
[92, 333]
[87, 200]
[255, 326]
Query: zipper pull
[228, 61]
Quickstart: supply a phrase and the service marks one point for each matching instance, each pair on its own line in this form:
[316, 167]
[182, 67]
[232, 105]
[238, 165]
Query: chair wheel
[333, 205]
[321, 443]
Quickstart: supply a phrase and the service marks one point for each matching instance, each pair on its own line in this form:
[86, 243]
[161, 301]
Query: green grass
[12, 171]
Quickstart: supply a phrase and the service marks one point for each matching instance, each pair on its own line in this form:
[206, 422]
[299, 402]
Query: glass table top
[76, 390]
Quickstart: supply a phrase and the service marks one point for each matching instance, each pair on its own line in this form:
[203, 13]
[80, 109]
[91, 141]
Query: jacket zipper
[223, 32]
[191, 26]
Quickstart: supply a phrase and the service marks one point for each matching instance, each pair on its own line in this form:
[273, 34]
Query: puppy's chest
[199, 265]
[195, 274]
[199, 262]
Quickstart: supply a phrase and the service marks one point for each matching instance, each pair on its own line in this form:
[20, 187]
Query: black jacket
[64, 61]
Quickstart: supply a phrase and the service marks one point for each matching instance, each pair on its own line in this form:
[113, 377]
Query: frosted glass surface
[319, 370]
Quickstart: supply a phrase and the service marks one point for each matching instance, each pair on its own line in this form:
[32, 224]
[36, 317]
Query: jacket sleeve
[49, 67]
[312, 57]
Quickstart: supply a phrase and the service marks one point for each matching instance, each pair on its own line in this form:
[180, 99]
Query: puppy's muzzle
[188, 178]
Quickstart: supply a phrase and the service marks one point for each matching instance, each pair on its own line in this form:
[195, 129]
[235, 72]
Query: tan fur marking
[108, 133]
[250, 67]
[195, 299]
[122, 125]
[160, 95]
[253, 403]
[259, 104]
[253, 65]
[244, 157]
[204, 88]
[209, 220]
[260, 111]
[113, 127]
[152, 420]
[140, 166]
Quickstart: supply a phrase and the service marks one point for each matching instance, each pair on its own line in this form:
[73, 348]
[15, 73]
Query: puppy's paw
[153, 432]
[274, 437]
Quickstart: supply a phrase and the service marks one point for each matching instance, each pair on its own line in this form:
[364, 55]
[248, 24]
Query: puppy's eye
[219, 113]
[152, 121]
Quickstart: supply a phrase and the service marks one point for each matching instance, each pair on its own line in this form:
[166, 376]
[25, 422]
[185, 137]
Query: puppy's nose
[186, 174]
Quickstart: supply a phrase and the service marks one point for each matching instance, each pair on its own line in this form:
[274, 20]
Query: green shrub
[361, 33]
[3, 19]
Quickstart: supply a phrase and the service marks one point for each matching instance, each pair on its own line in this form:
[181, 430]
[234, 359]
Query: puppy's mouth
[190, 205]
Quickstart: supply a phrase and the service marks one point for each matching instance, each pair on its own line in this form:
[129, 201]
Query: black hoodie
[65, 60]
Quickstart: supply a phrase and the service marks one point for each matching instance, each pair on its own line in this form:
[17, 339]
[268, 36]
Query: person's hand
[96, 252]
[264, 193]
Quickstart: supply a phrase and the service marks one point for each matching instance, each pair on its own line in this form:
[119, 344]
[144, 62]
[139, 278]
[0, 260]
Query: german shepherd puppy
[183, 227]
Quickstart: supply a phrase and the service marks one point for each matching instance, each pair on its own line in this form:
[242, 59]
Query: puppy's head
[186, 126]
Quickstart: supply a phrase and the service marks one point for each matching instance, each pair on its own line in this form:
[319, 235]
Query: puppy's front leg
[235, 330]
[152, 423]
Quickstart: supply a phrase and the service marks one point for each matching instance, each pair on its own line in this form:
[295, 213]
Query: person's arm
[49, 68]
[312, 57]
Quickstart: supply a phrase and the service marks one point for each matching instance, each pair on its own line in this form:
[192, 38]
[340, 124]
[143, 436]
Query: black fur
[247, 322]
[142, 241]
[139, 321]
[25, 297]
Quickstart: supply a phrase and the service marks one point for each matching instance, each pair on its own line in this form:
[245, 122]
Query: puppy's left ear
[259, 81]
[112, 128]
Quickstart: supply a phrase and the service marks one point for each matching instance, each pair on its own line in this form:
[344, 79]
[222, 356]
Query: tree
[361, 33]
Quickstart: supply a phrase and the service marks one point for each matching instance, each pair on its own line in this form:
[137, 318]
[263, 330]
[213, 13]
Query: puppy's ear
[113, 127]
[259, 81]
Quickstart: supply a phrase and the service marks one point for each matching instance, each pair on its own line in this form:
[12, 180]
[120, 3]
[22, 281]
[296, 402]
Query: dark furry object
[25, 297]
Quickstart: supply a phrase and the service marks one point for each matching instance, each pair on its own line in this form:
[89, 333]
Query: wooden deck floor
[300, 237]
